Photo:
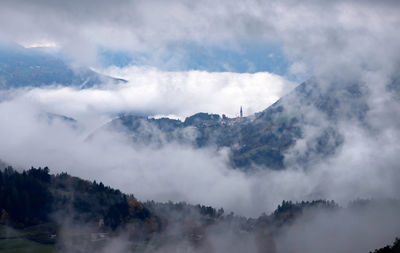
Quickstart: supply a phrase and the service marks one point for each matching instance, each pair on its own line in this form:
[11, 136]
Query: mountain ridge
[33, 67]
[262, 139]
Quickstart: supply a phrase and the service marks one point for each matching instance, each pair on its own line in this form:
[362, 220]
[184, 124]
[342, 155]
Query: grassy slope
[16, 240]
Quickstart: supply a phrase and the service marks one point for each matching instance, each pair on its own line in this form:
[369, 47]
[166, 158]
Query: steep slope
[312, 111]
[252, 141]
[265, 138]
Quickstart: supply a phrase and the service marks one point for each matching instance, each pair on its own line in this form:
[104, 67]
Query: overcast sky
[307, 31]
[291, 39]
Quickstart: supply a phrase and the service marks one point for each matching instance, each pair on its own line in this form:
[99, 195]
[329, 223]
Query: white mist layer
[181, 173]
[153, 92]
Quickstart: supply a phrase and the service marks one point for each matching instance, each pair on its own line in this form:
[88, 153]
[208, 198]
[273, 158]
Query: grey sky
[309, 30]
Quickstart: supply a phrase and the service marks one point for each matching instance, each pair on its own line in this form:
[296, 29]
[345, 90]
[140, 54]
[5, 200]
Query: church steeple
[241, 112]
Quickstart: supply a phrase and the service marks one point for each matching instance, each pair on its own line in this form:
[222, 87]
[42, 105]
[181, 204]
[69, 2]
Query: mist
[339, 41]
[340, 44]
[152, 92]
[180, 172]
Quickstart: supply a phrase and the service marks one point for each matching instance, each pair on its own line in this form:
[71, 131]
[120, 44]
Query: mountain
[262, 139]
[250, 140]
[22, 67]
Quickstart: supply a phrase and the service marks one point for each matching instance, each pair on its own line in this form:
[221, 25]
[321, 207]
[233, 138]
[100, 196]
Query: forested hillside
[49, 213]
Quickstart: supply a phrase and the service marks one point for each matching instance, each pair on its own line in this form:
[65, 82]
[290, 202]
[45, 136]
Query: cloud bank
[349, 41]
[319, 33]
[153, 92]
[364, 167]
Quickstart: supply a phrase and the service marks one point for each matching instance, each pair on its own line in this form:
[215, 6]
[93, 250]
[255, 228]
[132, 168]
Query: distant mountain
[262, 139]
[22, 67]
[314, 110]
[251, 142]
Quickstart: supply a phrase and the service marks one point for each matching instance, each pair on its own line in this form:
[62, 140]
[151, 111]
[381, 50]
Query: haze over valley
[227, 126]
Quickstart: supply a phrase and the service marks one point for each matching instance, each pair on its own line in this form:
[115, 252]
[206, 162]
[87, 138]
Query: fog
[348, 230]
[354, 229]
[175, 172]
[340, 43]
[153, 92]
[348, 33]
[363, 167]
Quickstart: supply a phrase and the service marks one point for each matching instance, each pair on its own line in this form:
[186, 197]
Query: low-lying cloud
[365, 166]
[345, 41]
[153, 92]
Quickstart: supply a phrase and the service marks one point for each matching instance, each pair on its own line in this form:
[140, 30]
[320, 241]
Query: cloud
[175, 172]
[345, 41]
[365, 166]
[298, 68]
[334, 32]
[361, 229]
[340, 42]
[153, 92]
